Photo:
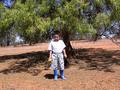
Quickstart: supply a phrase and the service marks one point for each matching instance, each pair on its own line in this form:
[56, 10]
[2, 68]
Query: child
[57, 53]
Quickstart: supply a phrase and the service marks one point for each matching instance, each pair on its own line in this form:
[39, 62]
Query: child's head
[56, 36]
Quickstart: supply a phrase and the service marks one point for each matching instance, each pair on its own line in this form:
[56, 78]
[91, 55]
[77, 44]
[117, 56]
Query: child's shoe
[62, 75]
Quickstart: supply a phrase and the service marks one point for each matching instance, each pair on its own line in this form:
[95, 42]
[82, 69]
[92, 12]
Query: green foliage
[99, 3]
[101, 20]
[116, 10]
[25, 21]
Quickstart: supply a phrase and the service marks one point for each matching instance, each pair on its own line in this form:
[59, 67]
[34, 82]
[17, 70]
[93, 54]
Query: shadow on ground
[27, 62]
[97, 59]
[49, 76]
[88, 59]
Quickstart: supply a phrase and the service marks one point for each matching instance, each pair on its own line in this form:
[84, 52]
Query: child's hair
[56, 33]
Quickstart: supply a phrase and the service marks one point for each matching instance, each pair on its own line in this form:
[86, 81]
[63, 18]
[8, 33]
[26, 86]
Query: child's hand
[49, 62]
[49, 59]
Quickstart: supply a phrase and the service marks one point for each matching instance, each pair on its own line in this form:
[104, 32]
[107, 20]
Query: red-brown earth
[95, 66]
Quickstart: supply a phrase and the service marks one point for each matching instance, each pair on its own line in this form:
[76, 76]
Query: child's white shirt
[56, 46]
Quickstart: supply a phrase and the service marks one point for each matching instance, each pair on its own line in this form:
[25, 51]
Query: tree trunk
[69, 49]
[66, 39]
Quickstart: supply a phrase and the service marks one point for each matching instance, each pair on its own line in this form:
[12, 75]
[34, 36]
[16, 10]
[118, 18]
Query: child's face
[56, 37]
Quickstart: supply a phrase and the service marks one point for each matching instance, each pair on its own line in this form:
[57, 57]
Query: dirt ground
[96, 67]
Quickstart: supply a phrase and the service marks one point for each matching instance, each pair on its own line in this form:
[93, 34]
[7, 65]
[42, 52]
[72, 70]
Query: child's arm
[64, 51]
[50, 51]
[50, 54]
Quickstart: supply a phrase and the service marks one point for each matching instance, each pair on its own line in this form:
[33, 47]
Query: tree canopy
[34, 19]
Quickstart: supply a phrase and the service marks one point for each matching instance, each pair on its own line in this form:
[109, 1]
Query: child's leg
[55, 74]
[55, 66]
[62, 74]
[61, 64]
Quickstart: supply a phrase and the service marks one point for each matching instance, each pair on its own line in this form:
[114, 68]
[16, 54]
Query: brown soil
[95, 66]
